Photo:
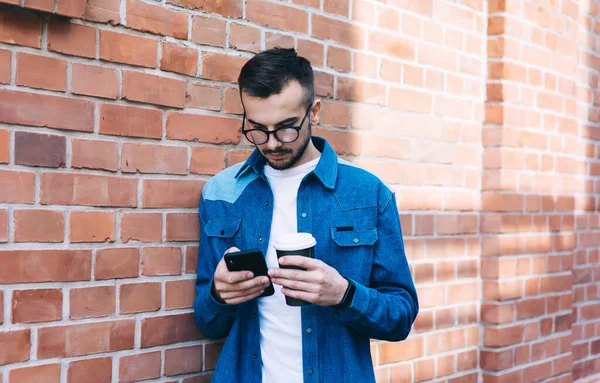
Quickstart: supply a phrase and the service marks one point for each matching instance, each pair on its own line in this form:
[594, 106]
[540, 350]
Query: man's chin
[280, 165]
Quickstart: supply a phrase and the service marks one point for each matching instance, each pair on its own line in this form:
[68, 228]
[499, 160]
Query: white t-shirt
[280, 324]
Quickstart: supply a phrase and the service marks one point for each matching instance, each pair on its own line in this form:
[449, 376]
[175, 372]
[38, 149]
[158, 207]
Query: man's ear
[315, 112]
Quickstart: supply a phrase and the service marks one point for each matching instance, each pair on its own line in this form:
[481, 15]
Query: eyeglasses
[284, 134]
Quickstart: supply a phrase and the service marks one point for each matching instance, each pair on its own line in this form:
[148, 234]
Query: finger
[296, 285]
[260, 281]
[297, 275]
[236, 301]
[303, 295]
[231, 250]
[241, 293]
[300, 261]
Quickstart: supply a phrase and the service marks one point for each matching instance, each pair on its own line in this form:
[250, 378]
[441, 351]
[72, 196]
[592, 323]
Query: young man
[359, 284]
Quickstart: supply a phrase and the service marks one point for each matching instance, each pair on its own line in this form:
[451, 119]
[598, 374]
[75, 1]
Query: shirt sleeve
[214, 319]
[388, 307]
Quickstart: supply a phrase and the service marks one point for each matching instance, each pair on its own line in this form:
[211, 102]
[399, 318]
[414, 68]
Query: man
[359, 284]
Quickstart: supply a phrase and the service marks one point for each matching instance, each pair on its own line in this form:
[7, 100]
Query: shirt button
[254, 315]
[260, 239]
[355, 240]
[310, 372]
[267, 203]
[254, 356]
[309, 330]
[304, 215]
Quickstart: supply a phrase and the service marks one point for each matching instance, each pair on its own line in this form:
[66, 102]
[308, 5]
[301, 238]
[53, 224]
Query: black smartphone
[251, 260]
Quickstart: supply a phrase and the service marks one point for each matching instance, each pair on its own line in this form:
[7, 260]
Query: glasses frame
[275, 131]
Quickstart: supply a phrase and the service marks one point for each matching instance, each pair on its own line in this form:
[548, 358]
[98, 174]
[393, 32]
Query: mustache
[276, 152]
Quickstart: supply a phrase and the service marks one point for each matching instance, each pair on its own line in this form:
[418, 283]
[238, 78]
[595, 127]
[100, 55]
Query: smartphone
[252, 260]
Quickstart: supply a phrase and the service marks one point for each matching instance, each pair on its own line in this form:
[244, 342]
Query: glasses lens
[287, 135]
[257, 136]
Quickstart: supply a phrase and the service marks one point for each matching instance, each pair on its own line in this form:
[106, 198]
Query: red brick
[410, 100]
[191, 259]
[336, 7]
[179, 59]
[232, 103]
[4, 146]
[365, 65]
[182, 227]
[91, 302]
[208, 31]
[161, 261]
[273, 40]
[203, 96]
[180, 294]
[47, 373]
[20, 28]
[341, 142]
[391, 45]
[94, 154]
[144, 227]
[73, 39]
[496, 360]
[116, 263]
[53, 77]
[222, 67]
[71, 8]
[128, 49]
[277, 16]
[35, 149]
[121, 120]
[161, 330]
[324, 28]
[57, 112]
[207, 160]
[150, 158]
[183, 360]
[96, 81]
[350, 89]
[335, 114]
[157, 19]
[395, 352]
[15, 346]
[85, 339]
[390, 19]
[139, 297]
[153, 89]
[41, 5]
[91, 226]
[29, 266]
[323, 84]
[39, 225]
[98, 370]
[237, 156]
[424, 370]
[103, 11]
[498, 337]
[244, 38]
[225, 8]
[363, 12]
[133, 368]
[339, 59]
[31, 306]
[211, 129]
[5, 66]
[456, 224]
[312, 51]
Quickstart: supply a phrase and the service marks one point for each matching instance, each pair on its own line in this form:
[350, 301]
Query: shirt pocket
[353, 250]
[222, 233]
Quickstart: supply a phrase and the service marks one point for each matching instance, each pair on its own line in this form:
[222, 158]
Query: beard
[287, 163]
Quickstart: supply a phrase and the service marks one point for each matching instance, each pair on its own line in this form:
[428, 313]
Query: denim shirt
[354, 218]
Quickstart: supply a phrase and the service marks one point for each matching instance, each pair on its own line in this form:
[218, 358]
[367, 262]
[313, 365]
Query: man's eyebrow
[286, 121]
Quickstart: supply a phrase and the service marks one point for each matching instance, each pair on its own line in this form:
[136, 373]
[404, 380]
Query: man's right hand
[235, 287]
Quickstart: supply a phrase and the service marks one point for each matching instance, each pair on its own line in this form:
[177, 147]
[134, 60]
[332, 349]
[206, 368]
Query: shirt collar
[326, 170]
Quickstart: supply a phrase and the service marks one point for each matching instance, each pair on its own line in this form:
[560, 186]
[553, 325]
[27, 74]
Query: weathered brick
[103, 11]
[232, 103]
[17, 187]
[94, 154]
[91, 226]
[98, 370]
[85, 339]
[16, 346]
[120, 120]
[225, 8]
[179, 59]
[171, 193]
[3, 237]
[150, 158]
[347, 34]
[30, 266]
[244, 38]
[96, 81]
[144, 227]
[113, 263]
[73, 39]
[5, 66]
[207, 160]
[182, 227]
[277, 16]
[49, 373]
[87, 189]
[161, 261]
[31, 306]
[35, 149]
[38, 225]
[91, 302]
[157, 19]
[196, 127]
[208, 31]
[222, 67]
[20, 28]
[139, 297]
[160, 330]
[153, 89]
[183, 360]
[53, 77]
[180, 294]
[204, 96]
[128, 49]
[133, 368]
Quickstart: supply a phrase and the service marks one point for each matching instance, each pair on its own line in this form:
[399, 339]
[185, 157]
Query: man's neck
[310, 153]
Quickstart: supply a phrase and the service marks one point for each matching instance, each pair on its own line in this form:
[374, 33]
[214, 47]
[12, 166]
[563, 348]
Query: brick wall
[483, 116]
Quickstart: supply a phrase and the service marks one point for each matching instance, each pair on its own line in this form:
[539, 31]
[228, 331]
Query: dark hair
[270, 71]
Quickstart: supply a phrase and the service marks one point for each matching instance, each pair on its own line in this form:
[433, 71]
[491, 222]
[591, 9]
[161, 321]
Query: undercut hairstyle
[268, 72]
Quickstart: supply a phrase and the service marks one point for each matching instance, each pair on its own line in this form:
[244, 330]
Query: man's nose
[272, 143]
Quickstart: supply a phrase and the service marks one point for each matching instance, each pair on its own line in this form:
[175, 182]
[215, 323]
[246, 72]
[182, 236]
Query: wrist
[346, 300]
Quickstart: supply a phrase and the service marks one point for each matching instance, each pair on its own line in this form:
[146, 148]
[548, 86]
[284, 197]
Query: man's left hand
[320, 283]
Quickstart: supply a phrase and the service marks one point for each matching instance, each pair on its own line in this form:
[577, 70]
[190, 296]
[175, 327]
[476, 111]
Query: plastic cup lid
[296, 241]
